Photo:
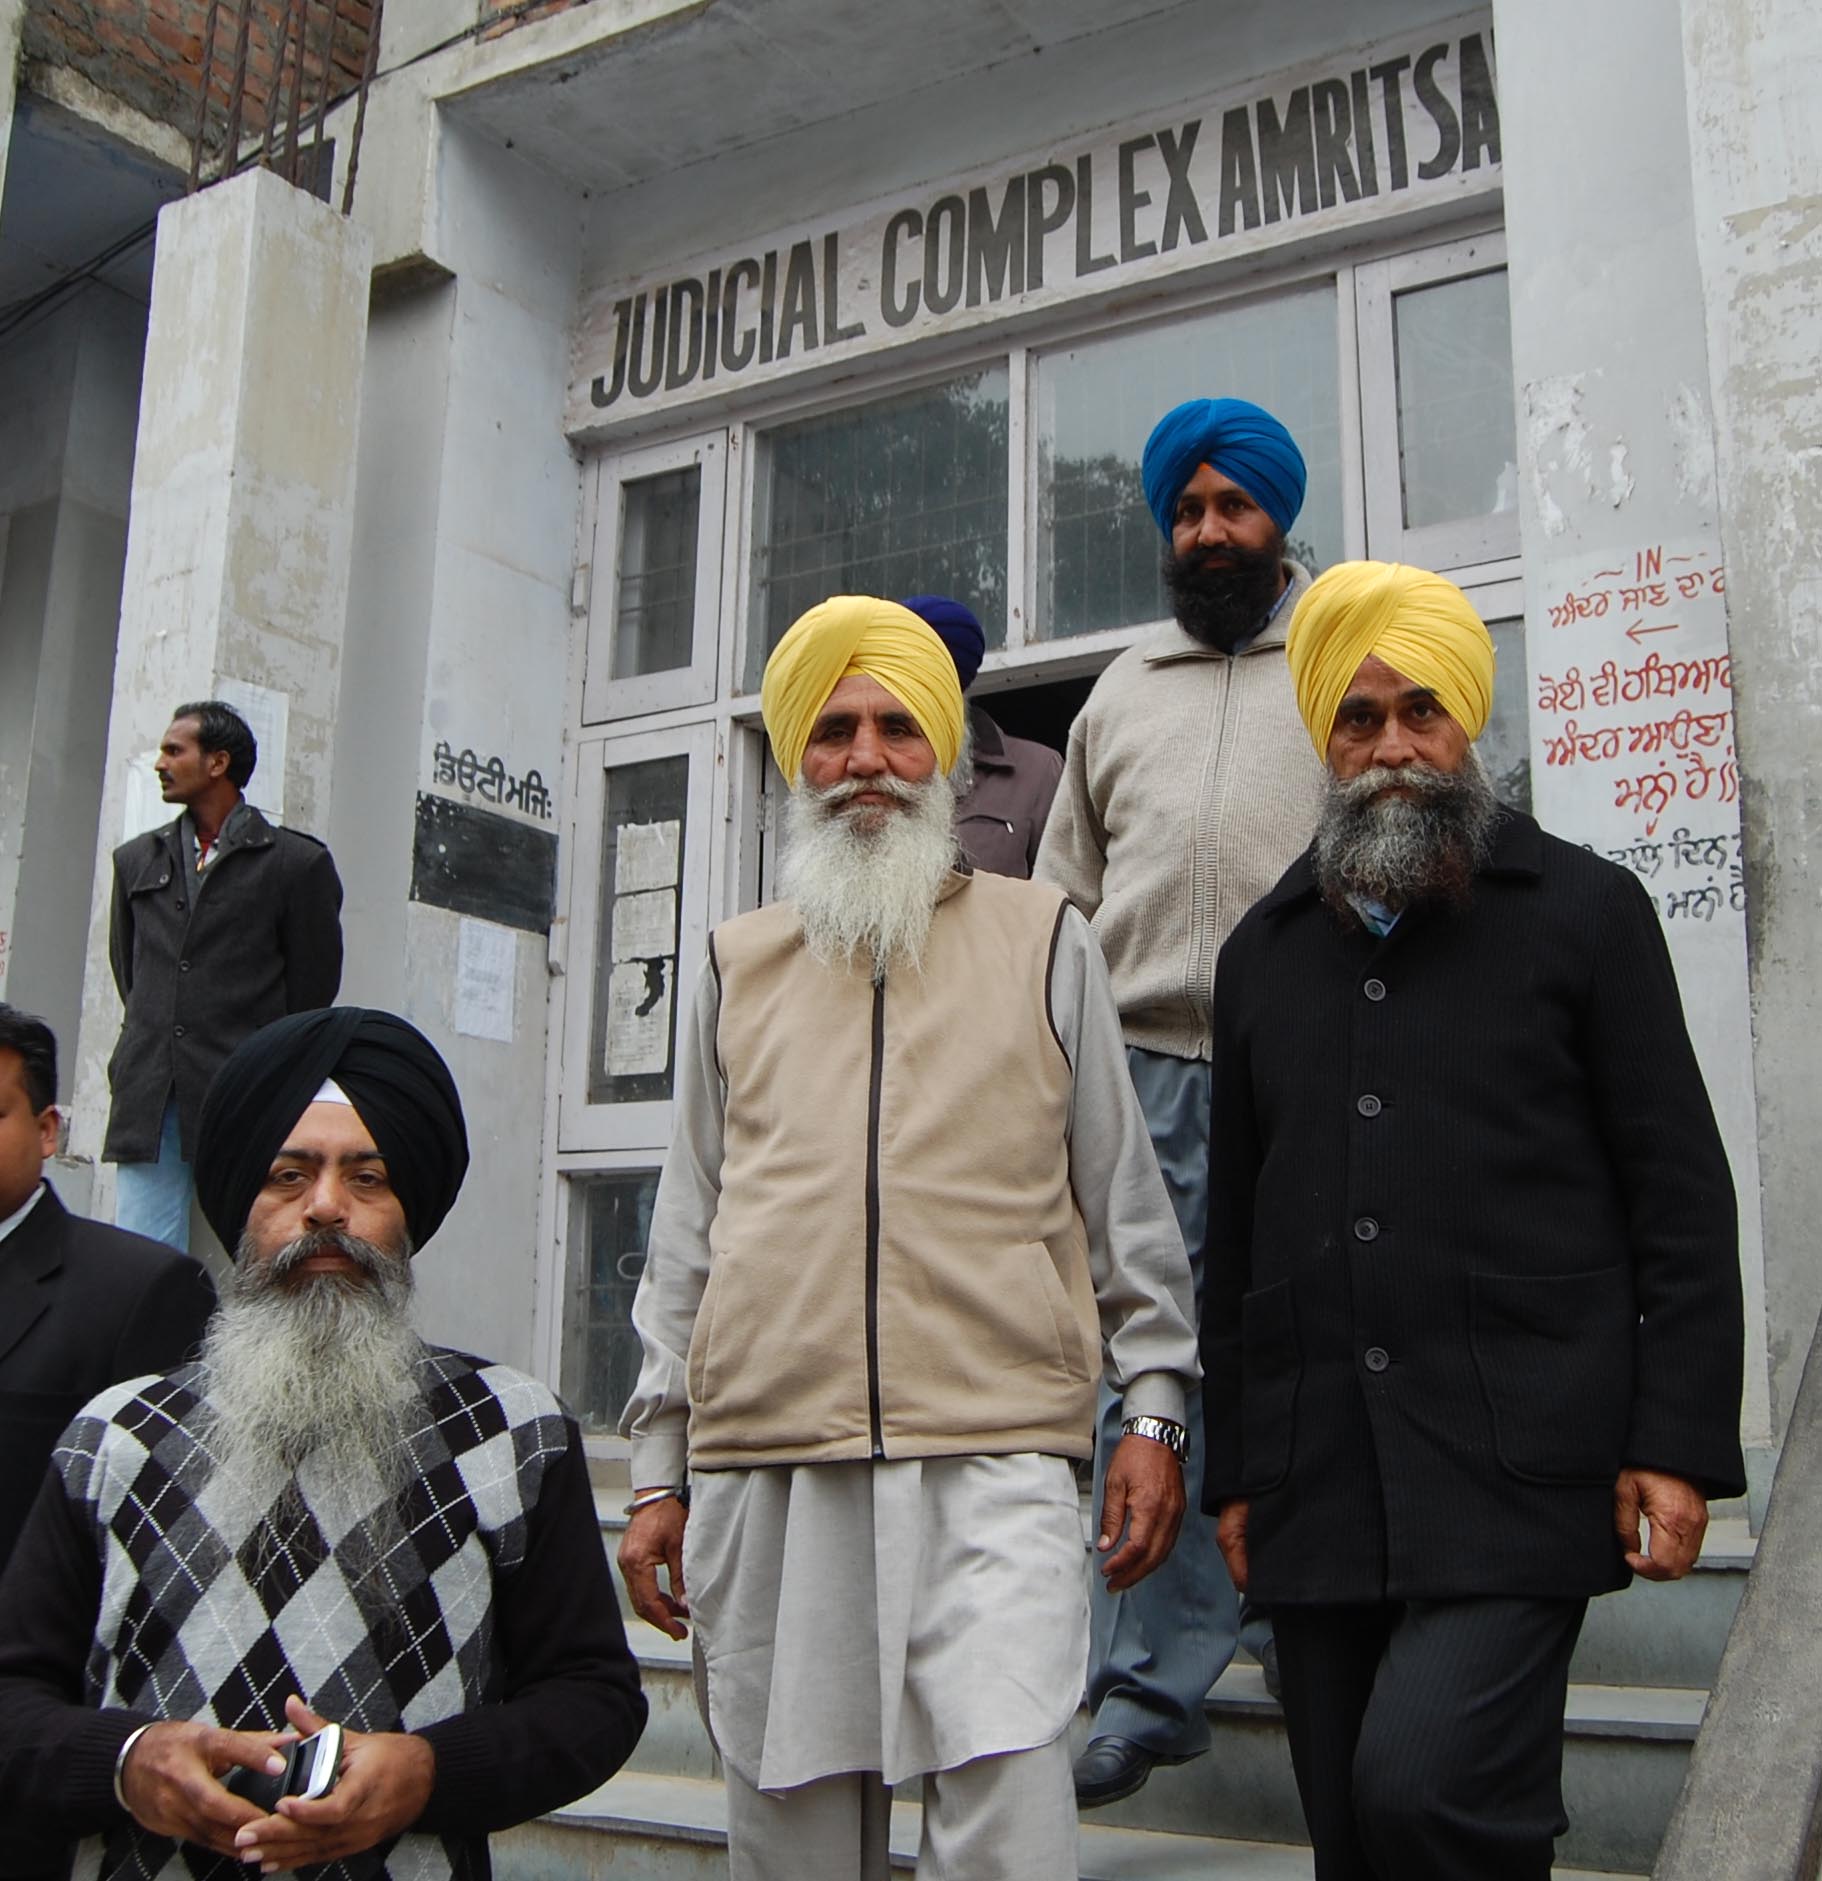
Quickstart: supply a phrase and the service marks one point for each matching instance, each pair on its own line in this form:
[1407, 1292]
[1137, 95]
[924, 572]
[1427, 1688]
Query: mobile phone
[311, 1766]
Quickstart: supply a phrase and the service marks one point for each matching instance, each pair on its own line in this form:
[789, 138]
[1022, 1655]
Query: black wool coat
[203, 960]
[82, 1306]
[1472, 1243]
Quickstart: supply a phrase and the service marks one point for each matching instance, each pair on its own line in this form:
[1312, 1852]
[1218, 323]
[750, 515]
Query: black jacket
[1471, 1236]
[82, 1306]
[202, 960]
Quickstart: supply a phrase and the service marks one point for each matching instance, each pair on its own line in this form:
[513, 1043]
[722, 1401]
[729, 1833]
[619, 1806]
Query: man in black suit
[1473, 1298]
[82, 1305]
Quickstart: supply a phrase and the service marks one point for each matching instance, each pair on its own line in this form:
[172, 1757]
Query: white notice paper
[645, 855]
[639, 994]
[645, 925]
[487, 958]
[143, 806]
[268, 716]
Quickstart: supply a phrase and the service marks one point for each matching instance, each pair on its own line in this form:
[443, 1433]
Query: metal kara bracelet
[1164, 1430]
[650, 1498]
[120, 1764]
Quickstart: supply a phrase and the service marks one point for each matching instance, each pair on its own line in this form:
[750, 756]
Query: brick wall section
[501, 16]
[148, 54]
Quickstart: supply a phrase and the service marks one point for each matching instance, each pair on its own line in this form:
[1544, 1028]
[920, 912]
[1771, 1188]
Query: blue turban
[1246, 445]
[956, 627]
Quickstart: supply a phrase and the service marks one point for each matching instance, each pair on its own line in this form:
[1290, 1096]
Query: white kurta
[900, 1617]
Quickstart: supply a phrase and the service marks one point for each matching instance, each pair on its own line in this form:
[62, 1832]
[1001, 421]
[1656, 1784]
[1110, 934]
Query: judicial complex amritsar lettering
[1398, 124]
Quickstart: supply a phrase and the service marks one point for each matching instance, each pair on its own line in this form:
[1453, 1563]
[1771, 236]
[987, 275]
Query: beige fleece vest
[897, 1265]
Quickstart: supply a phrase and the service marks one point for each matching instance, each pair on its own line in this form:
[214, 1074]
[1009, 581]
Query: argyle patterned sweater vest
[211, 1616]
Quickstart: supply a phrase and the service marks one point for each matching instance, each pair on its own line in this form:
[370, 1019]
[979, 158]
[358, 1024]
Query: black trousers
[1427, 1735]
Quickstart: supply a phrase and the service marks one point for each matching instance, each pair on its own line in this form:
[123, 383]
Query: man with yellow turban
[1181, 801]
[1472, 1304]
[909, 1217]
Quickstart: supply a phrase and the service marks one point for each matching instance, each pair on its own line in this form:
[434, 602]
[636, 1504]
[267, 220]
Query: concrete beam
[1754, 71]
[1751, 1807]
[242, 513]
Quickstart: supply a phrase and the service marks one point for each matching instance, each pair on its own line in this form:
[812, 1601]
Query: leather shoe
[1112, 1768]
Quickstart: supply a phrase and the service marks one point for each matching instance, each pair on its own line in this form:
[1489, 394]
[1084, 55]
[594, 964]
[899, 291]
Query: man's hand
[172, 1780]
[386, 1779]
[1144, 1496]
[1230, 1538]
[1678, 1514]
[654, 1539]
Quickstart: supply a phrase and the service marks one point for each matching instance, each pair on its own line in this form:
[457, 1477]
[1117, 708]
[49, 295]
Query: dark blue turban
[958, 630]
[1246, 445]
[388, 1070]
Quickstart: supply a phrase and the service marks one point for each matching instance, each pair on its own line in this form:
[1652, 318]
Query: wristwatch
[1164, 1430]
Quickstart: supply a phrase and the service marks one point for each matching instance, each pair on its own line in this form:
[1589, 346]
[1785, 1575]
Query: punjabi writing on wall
[1652, 728]
[490, 780]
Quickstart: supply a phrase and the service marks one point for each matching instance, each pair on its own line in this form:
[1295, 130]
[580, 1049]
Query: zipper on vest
[875, 1077]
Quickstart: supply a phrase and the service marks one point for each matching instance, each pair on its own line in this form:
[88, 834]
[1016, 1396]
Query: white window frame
[588, 1127]
[604, 698]
[1461, 548]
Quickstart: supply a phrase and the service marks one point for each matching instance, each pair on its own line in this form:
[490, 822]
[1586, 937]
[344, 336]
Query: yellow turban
[1418, 623]
[857, 633]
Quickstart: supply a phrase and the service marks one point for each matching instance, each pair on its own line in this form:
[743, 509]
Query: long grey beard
[1399, 851]
[868, 894]
[313, 1396]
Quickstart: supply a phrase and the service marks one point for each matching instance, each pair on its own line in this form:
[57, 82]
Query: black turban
[391, 1073]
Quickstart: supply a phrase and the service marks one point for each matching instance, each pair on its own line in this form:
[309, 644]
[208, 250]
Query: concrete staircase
[1641, 1676]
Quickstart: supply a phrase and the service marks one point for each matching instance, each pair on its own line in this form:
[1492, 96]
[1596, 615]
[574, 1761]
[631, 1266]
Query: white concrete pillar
[241, 520]
[1620, 528]
[12, 25]
[1754, 76]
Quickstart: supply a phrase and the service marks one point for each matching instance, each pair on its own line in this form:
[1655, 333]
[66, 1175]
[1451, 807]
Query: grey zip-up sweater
[1189, 787]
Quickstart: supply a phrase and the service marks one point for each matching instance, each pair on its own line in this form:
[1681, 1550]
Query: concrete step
[641, 1827]
[1625, 1752]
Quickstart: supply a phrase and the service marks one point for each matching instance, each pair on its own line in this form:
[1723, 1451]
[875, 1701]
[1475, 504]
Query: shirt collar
[17, 1217]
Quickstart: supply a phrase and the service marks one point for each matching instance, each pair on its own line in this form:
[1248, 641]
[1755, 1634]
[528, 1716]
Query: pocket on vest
[1271, 1370]
[1554, 1353]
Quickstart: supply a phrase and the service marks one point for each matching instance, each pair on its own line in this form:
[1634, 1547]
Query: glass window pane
[1505, 746]
[1457, 427]
[903, 496]
[655, 593]
[610, 1223]
[635, 1005]
[1099, 551]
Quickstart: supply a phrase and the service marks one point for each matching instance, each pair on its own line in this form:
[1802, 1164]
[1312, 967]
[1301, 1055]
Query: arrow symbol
[1638, 630]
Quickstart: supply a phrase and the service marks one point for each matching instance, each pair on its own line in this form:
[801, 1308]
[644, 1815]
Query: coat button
[1369, 1105]
[183, 966]
[180, 907]
[1366, 1229]
[1377, 1358]
[1374, 989]
[177, 1031]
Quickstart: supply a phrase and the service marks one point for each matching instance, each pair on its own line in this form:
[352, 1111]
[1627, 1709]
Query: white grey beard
[312, 1391]
[1399, 851]
[865, 882]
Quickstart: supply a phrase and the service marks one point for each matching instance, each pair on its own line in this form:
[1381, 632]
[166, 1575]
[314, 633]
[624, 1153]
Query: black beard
[1221, 599]
[1401, 851]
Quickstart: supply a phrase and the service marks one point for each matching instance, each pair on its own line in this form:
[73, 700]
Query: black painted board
[472, 861]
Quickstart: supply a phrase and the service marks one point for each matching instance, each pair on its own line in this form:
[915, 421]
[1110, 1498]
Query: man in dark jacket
[1473, 1299]
[220, 923]
[82, 1306]
[1004, 786]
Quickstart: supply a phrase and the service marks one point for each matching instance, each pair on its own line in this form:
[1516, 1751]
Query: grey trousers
[1009, 1818]
[1155, 1649]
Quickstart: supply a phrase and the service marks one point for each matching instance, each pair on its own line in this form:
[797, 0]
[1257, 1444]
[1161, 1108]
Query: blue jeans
[154, 1198]
[1154, 1650]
